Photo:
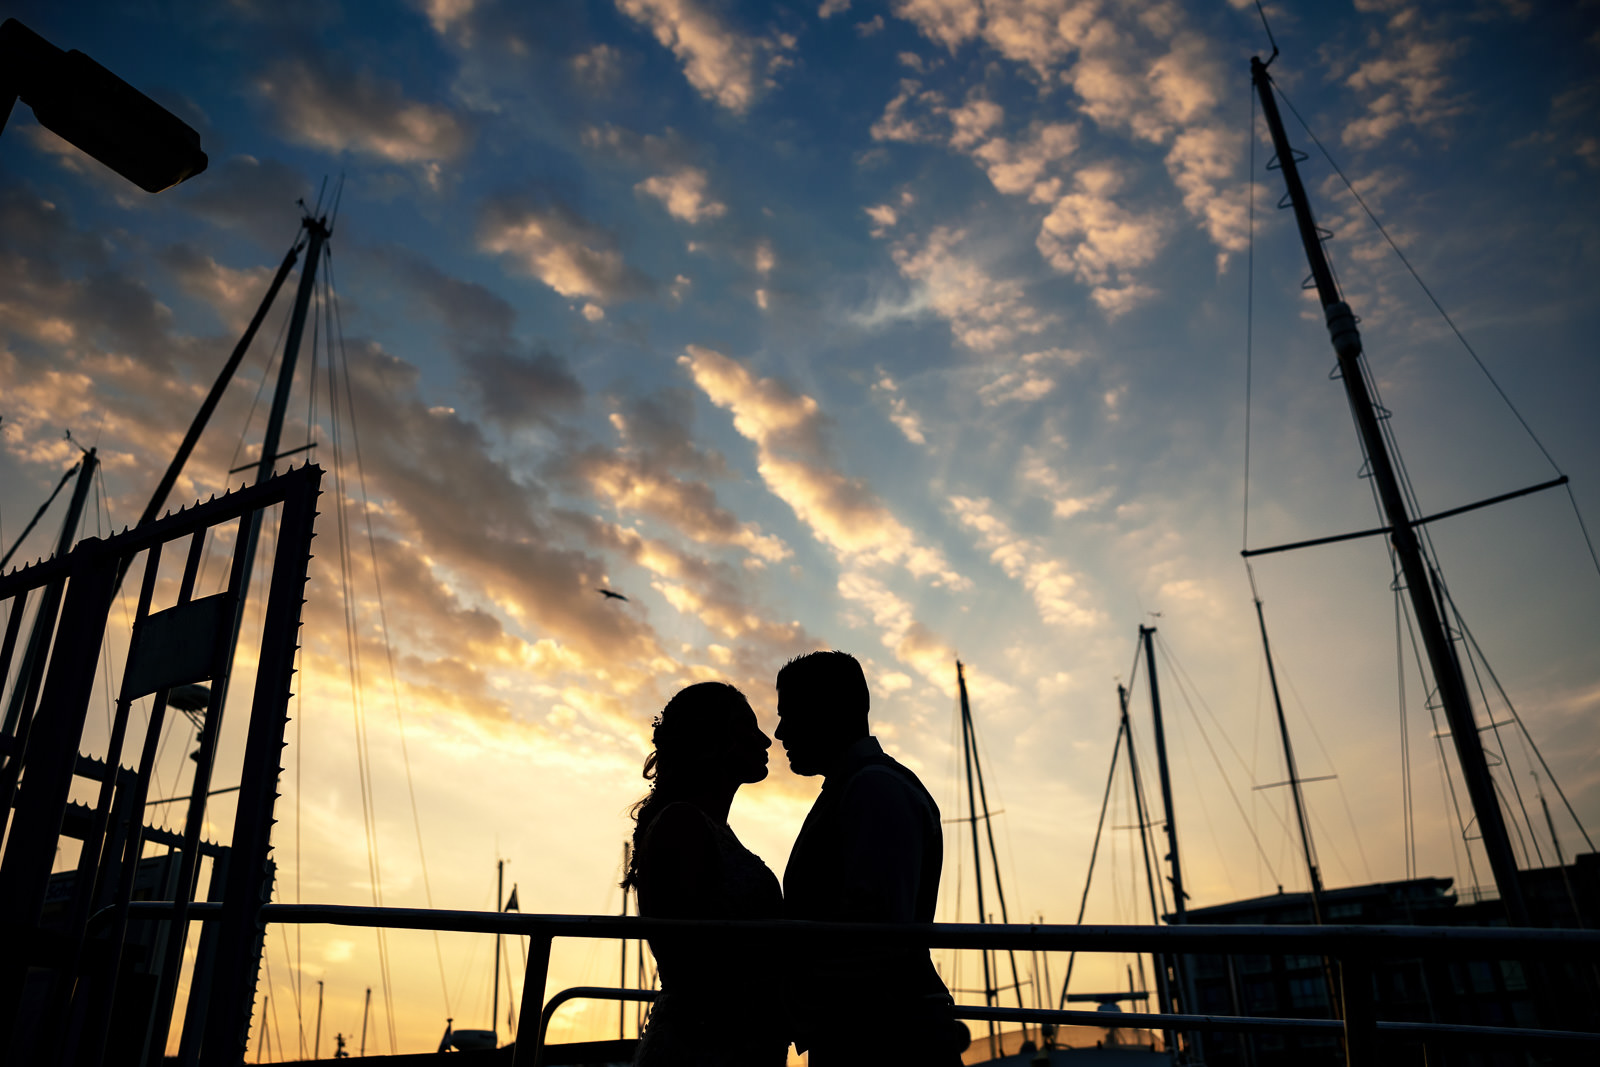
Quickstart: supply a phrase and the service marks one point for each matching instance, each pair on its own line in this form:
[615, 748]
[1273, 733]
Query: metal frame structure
[58, 981]
[1355, 946]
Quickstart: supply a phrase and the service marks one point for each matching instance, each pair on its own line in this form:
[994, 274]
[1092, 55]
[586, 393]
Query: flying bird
[610, 595]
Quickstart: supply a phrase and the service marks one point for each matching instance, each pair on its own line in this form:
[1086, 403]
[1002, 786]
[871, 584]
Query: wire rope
[1438, 737]
[383, 612]
[1476, 359]
[352, 648]
[1472, 641]
[1500, 741]
[1249, 316]
[1316, 735]
[1215, 759]
[1409, 828]
[1094, 851]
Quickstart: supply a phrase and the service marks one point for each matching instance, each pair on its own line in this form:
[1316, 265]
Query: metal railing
[1355, 947]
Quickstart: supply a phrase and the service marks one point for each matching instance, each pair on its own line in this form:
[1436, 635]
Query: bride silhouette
[719, 1004]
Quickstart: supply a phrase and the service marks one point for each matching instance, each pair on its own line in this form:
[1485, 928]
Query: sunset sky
[916, 329]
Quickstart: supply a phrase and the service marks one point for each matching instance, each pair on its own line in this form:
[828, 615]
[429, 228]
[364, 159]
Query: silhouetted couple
[870, 851]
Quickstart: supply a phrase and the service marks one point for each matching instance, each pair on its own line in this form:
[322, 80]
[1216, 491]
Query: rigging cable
[1184, 680]
[1472, 642]
[1409, 841]
[352, 646]
[39, 514]
[1494, 728]
[1181, 676]
[1250, 314]
[1438, 738]
[383, 611]
[1577, 512]
[1316, 735]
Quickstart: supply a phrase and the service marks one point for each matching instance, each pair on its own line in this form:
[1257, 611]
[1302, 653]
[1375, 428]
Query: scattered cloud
[985, 313]
[518, 387]
[900, 413]
[1137, 72]
[339, 110]
[1030, 377]
[1406, 84]
[912, 642]
[792, 458]
[631, 481]
[1053, 587]
[1091, 237]
[727, 67]
[599, 67]
[557, 246]
[883, 218]
[254, 196]
[683, 194]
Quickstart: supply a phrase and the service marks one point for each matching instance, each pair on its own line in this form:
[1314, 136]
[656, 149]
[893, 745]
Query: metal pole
[1294, 775]
[1329, 966]
[158, 499]
[31, 674]
[365, 1009]
[499, 905]
[205, 756]
[319, 233]
[622, 974]
[35, 830]
[994, 855]
[526, 1053]
[1178, 895]
[316, 1045]
[28, 529]
[989, 995]
[239, 946]
[1414, 566]
[1163, 988]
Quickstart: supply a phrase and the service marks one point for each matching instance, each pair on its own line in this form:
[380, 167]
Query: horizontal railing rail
[1357, 946]
[1449, 1032]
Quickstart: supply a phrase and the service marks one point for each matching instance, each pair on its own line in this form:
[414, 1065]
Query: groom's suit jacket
[871, 850]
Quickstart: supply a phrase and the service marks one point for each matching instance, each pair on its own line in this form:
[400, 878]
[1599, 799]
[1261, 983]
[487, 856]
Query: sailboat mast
[499, 906]
[31, 674]
[1163, 990]
[1146, 633]
[1414, 566]
[318, 234]
[1181, 969]
[1294, 775]
[990, 996]
[994, 853]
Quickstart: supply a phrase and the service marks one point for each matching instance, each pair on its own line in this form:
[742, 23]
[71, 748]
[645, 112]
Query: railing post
[1360, 1013]
[528, 1053]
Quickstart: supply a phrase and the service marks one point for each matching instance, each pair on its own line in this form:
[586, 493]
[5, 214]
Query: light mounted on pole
[92, 109]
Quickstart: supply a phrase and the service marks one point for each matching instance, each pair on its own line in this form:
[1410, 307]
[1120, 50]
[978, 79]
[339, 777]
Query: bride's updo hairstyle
[688, 738]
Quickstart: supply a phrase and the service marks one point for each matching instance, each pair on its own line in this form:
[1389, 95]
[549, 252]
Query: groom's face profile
[802, 728]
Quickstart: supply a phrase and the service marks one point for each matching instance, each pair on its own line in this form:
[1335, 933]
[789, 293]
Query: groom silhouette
[870, 851]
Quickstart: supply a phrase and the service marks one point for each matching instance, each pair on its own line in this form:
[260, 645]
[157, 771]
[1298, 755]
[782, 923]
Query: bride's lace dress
[720, 1004]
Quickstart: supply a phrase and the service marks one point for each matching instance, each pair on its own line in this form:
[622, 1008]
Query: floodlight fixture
[92, 109]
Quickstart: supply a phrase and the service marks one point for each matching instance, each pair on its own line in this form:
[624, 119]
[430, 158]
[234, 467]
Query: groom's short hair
[833, 676]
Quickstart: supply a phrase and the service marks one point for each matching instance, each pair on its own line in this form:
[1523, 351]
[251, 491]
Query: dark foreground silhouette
[721, 1003]
[870, 851]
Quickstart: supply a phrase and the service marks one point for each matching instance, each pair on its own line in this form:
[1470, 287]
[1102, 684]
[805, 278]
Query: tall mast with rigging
[976, 800]
[1184, 992]
[1416, 569]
